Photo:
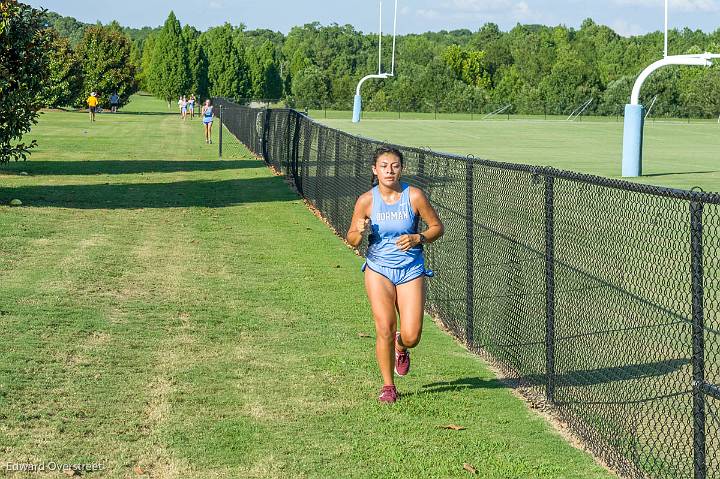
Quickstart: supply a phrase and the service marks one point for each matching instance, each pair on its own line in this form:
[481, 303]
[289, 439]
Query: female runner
[207, 115]
[394, 267]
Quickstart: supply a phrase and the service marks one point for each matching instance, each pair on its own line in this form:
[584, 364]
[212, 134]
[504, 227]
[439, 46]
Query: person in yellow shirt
[92, 102]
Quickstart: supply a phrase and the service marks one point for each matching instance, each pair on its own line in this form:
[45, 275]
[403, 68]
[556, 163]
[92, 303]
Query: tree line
[48, 60]
[534, 68]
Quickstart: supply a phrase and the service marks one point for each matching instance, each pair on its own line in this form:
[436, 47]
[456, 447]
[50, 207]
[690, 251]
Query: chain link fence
[601, 295]
[228, 118]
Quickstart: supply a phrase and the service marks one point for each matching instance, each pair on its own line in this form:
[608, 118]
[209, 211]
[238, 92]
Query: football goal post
[635, 112]
[357, 106]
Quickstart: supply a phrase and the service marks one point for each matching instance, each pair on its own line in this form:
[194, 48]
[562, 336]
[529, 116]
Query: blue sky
[627, 17]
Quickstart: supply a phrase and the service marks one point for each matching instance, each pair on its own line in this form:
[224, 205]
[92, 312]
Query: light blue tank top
[388, 223]
[209, 112]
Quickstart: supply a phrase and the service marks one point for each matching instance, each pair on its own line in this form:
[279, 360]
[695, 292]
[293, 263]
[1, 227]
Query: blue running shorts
[398, 276]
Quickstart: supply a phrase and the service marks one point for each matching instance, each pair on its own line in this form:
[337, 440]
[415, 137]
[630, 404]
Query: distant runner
[191, 106]
[92, 103]
[207, 114]
[182, 103]
[114, 102]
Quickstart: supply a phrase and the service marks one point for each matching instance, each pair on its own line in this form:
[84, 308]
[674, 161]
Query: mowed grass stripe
[194, 318]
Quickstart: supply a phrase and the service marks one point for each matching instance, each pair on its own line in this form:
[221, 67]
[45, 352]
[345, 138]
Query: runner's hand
[405, 242]
[362, 225]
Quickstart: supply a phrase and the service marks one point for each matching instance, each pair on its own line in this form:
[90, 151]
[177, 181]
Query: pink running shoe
[402, 360]
[388, 394]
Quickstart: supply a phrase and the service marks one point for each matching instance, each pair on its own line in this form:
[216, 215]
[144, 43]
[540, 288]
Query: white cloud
[681, 5]
[626, 29]
[522, 8]
[429, 14]
[486, 6]
[481, 10]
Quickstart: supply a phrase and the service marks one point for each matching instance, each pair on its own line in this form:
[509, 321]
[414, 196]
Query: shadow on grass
[603, 376]
[461, 384]
[680, 173]
[124, 167]
[590, 377]
[207, 194]
[106, 112]
[149, 113]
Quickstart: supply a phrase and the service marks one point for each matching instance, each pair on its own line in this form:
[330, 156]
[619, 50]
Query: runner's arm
[360, 220]
[435, 228]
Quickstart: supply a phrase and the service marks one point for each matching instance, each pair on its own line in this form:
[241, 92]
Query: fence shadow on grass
[461, 384]
[207, 194]
[148, 113]
[591, 377]
[124, 167]
[675, 173]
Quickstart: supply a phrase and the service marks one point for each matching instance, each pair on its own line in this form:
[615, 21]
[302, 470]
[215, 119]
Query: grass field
[677, 154]
[170, 315]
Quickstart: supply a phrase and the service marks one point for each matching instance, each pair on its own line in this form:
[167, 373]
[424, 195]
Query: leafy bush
[24, 43]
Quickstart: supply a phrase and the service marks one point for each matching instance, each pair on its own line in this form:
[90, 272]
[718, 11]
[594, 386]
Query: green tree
[197, 62]
[310, 88]
[66, 77]
[436, 80]
[343, 92]
[508, 89]
[146, 62]
[169, 74]
[468, 65]
[67, 27]
[699, 91]
[379, 102]
[264, 71]
[136, 60]
[571, 82]
[407, 90]
[24, 43]
[228, 74]
[105, 56]
[460, 98]
[616, 96]
[665, 85]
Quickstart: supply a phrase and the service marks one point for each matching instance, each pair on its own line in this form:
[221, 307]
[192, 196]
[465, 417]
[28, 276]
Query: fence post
[296, 153]
[220, 139]
[698, 340]
[550, 288]
[265, 134]
[306, 155]
[469, 254]
[337, 173]
[360, 168]
[289, 152]
[320, 172]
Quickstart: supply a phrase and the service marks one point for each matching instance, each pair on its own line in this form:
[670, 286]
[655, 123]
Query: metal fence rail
[600, 294]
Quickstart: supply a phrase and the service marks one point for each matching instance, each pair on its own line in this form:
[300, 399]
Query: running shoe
[388, 394]
[402, 359]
